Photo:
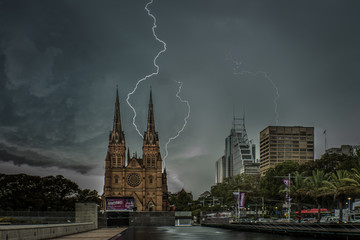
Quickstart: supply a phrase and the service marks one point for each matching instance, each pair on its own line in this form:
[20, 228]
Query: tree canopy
[24, 192]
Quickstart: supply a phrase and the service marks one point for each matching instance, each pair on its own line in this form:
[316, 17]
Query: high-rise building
[279, 144]
[220, 167]
[140, 183]
[239, 154]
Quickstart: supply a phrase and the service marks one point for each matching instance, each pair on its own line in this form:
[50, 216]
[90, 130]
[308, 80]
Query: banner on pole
[286, 182]
[240, 199]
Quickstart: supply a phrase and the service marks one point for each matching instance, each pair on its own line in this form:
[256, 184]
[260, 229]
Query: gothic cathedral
[138, 184]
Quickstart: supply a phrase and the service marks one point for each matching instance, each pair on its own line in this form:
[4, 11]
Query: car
[308, 220]
[333, 219]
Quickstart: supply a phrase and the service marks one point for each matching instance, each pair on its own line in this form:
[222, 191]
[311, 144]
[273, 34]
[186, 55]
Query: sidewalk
[98, 234]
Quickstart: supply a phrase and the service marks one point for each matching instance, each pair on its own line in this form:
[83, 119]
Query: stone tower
[140, 184]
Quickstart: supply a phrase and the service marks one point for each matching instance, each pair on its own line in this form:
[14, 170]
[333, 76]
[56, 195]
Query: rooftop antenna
[325, 140]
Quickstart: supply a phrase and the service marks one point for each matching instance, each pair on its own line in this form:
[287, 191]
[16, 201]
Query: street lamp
[349, 199]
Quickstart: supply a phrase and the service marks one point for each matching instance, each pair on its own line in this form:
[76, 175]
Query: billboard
[120, 203]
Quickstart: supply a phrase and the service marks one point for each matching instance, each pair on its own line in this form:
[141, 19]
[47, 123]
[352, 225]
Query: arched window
[148, 161]
[153, 161]
[150, 179]
[113, 160]
[118, 158]
[116, 179]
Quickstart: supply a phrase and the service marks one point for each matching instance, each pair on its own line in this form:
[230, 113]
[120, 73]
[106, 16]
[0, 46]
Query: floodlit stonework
[140, 179]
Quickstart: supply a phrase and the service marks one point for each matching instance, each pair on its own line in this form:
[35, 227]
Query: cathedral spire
[151, 122]
[117, 119]
[151, 136]
[117, 135]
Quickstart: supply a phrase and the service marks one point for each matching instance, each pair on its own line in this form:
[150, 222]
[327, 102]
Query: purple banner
[286, 182]
[120, 204]
[240, 200]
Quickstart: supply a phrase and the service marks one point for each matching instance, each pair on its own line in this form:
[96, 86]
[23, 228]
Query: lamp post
[349, 199]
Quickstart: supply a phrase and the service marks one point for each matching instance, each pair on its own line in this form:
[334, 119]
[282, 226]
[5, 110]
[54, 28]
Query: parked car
[308, 220]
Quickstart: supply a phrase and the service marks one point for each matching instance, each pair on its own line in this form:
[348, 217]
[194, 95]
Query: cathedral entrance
[117, 219]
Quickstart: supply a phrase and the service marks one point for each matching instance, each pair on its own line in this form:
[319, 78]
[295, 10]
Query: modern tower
[239, 154]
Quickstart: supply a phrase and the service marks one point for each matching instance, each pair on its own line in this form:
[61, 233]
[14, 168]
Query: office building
[281, 143]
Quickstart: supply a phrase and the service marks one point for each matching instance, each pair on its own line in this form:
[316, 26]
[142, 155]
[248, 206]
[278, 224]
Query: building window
[150, 179]
[116, 179]
[153, 161]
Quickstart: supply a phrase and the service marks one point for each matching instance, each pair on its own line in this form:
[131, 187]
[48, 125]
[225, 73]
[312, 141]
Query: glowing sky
[60, 62]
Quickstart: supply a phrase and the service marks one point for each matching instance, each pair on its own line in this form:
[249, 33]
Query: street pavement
[98, 234]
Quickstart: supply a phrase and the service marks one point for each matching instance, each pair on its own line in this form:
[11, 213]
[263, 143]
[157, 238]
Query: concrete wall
[152, 219]
[86, 212]
[86, 218]
[46, 231]
[36, 217]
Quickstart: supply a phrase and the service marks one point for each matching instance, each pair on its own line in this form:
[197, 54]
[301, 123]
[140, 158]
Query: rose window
[133, 179]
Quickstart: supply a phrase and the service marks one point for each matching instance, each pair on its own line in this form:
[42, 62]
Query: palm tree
[298, 190]
[317, 188]
[356, 174]
[341, 185]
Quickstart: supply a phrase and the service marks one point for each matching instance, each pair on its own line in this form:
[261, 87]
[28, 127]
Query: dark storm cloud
[18, 157]
[60, 62]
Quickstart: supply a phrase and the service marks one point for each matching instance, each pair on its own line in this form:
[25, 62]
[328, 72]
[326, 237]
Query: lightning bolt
[153, 74]
[154, 61]
[236, 71]
[185, 120]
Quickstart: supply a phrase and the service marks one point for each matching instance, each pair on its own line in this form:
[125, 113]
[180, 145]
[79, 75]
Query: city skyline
[283, 63]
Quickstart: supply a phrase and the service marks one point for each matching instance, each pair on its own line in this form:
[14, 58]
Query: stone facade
[140, 178]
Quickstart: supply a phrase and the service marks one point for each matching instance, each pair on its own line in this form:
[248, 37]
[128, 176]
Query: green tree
[317, 188]
[88, 195]
[181, 200]
[60, 192]
[356, 174]
[330, 163]
[298, 189]
[226, 189]
[341, 185]
[23, 192]
[271, 183]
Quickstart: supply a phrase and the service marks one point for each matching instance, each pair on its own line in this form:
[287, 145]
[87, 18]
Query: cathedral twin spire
[117, 135]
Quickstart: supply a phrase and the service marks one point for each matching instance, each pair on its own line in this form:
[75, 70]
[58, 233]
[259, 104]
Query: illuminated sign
[120, 203]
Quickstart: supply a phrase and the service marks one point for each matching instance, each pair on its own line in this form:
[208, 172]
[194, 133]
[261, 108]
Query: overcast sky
[285, 62]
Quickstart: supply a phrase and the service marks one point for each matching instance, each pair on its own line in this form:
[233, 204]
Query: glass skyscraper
[239, 154]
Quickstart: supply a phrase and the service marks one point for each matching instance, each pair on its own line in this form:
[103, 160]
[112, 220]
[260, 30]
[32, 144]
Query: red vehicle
[310, 214]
